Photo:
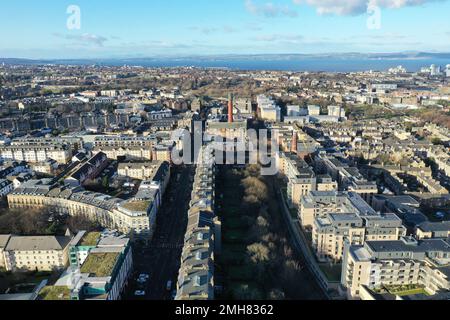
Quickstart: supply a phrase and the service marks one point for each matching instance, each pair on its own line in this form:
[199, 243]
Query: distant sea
[326, 65]
[343, 63]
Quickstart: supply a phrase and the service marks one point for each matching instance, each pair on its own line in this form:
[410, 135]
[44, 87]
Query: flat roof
[100, 265]
[361, 253]
[445, 270]
[53, 293]
[227, 125]
[429, 245]
[363, 207]
[113, 242]
[435, 226]
[338, 217]
[90, 239]
[137, 206]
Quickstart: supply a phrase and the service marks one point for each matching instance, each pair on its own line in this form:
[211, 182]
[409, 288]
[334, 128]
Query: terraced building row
[135, 217]
[202, 238]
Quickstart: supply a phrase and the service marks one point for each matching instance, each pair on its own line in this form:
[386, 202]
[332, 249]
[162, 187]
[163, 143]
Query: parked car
[440, 215]
[144, 276]
[139, 293]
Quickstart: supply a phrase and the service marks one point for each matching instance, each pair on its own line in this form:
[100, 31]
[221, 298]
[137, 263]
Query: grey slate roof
[4, 238]
[36, 243]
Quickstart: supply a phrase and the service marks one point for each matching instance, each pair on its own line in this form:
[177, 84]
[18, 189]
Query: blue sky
[144, 28]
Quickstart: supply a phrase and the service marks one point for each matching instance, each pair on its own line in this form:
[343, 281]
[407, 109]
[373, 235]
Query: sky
[46, 29]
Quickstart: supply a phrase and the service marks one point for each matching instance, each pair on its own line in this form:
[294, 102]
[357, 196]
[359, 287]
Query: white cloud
[204, 30]
[85, 38]
[212, 30]
[356, 7]
[293, 38]
[269, 9]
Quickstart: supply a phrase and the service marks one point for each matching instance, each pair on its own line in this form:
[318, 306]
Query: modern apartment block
[320, 203]
[326, 183]
[332, 232]
[203, 235]
[302, 179]
[404, 206]
[243, 107]
[424, 264]
[31, 253]
[269, 111]
[100, 266]
[433, 230]
[336, 217]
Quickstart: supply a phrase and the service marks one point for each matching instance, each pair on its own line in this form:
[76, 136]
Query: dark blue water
[328, 65]
[290, 63]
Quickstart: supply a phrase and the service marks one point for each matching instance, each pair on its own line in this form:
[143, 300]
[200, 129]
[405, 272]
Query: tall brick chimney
[230, 108]
[294, 146]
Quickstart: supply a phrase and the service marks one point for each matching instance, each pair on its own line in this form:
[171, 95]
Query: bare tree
[26, 222]
[252, 170]
[258, 253]
[254, 186]
[244, 292]
[81, 223]
[276, 294]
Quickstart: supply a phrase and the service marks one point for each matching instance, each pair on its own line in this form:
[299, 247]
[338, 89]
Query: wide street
[161, 258]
